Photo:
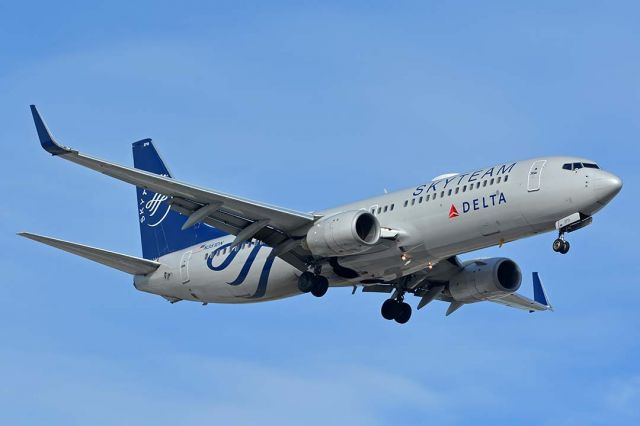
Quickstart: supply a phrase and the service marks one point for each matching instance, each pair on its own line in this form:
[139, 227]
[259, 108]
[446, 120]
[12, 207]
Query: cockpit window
[576, 166]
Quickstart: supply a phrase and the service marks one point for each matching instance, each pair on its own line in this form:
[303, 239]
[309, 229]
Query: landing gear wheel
[389, 308]
[305, 282]
[403, 314]
[320, 286]
[558, 245]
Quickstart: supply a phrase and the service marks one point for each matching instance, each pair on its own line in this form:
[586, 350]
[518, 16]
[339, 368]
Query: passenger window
[491, 183]
[392, 205]
[428, 196]
[379, 210]
[499, 179]
[442, 194]
[435, 195]
[373, 210]
[477, 185]
[385, 209]
[457, 189]
[413, 201]
[449, 193]
[484, 183]
[506, 178]
[406, 203]
[464, 188]
[420, 200]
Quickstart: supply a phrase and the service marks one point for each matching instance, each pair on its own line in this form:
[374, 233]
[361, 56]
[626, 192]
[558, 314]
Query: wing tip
[539, 293]
[47, 140]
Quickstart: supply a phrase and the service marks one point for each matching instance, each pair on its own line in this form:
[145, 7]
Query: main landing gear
[560, 245]
[312, 283]
[396, 309]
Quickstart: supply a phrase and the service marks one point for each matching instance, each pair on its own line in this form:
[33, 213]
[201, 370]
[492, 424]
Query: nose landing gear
[396, 309]
[570, 223]
[560, 245]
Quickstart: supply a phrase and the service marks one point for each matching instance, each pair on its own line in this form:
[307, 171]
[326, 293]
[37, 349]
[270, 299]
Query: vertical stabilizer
[160, 227]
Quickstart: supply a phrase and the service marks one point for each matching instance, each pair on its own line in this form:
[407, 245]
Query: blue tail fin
[159, 225]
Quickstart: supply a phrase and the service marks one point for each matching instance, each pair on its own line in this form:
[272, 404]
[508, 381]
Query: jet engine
[485, 279]
[343, 234]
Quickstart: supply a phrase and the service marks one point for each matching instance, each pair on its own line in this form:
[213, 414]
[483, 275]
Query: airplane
[207, 246]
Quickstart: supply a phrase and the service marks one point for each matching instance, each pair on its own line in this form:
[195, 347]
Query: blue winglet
[46, 138]
[539, 295]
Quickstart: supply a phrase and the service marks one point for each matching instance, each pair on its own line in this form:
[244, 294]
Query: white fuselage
[449, 216]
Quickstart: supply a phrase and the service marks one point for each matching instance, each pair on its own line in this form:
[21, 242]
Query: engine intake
[343, 234]
[486, 279]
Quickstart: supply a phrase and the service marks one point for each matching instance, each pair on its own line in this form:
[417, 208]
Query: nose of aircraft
[606, 186]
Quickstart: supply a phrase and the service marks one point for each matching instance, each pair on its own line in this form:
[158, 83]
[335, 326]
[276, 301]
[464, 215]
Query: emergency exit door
[184, 267]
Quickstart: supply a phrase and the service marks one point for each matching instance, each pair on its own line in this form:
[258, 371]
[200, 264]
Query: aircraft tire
[558, 245]
[320, 286]
[565, 247]
[389, 309]
[404, 313]
[305, 282]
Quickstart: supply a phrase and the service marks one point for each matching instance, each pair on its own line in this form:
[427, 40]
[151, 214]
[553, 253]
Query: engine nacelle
[485, 279]
[343, 234]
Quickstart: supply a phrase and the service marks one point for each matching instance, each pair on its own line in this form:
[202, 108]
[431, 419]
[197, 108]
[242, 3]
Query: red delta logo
[478, 204]
[453, 212]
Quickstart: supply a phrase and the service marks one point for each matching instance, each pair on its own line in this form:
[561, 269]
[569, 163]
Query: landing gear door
[535, 173]
[184, 267]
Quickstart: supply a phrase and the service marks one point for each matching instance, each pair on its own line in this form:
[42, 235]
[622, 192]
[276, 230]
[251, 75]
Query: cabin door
[535, 173]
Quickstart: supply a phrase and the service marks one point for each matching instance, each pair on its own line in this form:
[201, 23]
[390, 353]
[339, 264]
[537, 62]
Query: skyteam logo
[478, 204]
[261, 289]
[153, 208]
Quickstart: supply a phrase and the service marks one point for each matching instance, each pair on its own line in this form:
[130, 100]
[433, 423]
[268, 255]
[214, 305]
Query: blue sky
[308, 105]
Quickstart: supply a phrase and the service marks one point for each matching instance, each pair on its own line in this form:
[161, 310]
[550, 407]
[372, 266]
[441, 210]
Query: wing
[540, 300]
[431, 284]
[279, 228]
[125, 263]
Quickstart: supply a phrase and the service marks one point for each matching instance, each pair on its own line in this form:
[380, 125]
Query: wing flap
[125, 263]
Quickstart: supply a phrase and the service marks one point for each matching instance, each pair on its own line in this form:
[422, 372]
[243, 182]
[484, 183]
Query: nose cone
[606, 186]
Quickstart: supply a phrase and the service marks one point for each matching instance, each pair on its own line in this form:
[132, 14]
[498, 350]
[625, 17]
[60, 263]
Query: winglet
[46, 138]
[539, 295]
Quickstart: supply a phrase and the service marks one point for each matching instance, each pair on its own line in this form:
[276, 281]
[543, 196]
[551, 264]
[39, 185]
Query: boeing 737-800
[210, 247]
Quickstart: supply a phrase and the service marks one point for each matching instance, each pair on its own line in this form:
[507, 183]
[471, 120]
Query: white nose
[606, 186]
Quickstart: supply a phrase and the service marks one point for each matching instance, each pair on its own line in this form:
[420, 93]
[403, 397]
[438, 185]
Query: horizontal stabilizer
[129, 264]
